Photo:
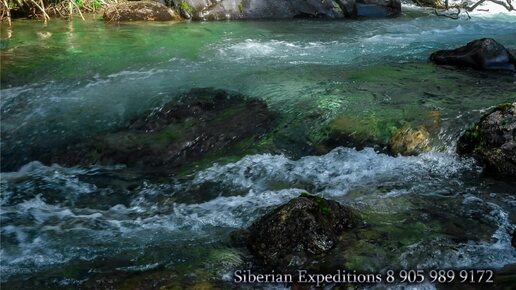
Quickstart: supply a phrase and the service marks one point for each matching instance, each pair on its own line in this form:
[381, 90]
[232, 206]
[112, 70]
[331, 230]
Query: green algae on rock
[202, 123]
[383, 136]
[492, 141]
[304, 227]
[349, 131]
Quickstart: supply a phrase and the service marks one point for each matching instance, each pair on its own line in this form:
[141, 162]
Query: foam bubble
[337, 172]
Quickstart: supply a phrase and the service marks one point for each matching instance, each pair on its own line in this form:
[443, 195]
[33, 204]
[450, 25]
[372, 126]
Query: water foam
[337, 172]
[480, 255]
[41, 231]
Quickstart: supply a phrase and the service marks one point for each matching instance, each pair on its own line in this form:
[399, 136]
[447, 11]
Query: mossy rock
[353, 132]
[385, 136]
[492, 141]
[185, 9]
[294, 233]
[201, 124]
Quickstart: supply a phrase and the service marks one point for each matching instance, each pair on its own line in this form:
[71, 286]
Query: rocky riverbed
[143, 155]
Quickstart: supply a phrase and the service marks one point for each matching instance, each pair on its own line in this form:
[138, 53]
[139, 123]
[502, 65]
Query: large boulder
[305, 226]
[139, 11]
[493, 141]
[201, 123]
[274, 9]
[481, 54]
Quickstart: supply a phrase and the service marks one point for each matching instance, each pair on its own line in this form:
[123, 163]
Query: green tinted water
[86, 77]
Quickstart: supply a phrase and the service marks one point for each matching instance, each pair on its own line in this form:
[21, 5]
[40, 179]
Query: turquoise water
[63, 227]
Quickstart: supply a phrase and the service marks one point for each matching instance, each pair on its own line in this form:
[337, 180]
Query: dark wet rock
[492, 141]
[305, 226]
[513, 240]
[139, 11]
[378, 8]
[201, 123]
[275, 9]
[481, 54]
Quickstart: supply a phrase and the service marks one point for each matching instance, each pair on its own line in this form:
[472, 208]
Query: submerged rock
[349, 131]
[481, 54]
[203, 122]
[139, 11]
[305, 226]
[384, 137]
[493, 141]
[259, 9]
[404, 141]
[408, 141]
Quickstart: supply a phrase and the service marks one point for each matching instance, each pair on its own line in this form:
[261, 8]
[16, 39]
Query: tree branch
[506, 4]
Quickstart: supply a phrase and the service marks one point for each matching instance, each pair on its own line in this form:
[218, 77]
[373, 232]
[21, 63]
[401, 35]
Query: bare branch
[45, 15]
[506, 4]
[475, 5]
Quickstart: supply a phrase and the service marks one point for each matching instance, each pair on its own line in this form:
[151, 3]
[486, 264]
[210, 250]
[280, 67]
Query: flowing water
[112, 226]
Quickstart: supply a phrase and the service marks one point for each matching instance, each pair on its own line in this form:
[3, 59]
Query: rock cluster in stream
[305, 226]
[201, 123]
[492, 141]
[266, 9]
[481, 54]
[350, 132]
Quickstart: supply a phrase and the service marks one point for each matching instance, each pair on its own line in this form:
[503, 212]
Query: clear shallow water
[67, 226]
[92, 77]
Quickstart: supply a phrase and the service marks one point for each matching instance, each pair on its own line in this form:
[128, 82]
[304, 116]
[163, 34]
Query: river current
[95, 226]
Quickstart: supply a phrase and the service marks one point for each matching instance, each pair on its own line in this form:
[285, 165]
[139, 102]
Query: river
[109, 226]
